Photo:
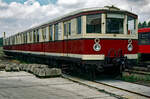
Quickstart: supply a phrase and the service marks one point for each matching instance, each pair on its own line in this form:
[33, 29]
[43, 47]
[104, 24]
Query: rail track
[117, 87]
[126, 86]
[138, 72]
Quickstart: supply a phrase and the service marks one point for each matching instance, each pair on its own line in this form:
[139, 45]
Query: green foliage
[135, 77]
[144, 24]
[149, 24]
[140, 25]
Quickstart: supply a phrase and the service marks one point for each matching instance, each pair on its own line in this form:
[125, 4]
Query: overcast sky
[18, 15]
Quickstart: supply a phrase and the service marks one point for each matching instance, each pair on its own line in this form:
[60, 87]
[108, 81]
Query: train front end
[111, 39]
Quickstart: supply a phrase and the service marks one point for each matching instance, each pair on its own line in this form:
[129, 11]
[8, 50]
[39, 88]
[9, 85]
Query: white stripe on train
[82, 56]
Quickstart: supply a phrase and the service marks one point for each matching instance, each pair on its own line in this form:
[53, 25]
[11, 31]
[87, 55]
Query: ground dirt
[23, 85]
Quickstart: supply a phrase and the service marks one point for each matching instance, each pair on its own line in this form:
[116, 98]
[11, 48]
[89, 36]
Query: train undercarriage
[112, 66]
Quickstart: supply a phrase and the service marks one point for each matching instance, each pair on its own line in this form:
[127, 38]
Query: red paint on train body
[144, 30]
[144, 49]
[81, 46]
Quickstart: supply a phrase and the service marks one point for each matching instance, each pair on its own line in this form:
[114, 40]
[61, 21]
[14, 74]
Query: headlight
[130, 47]
[97, 47]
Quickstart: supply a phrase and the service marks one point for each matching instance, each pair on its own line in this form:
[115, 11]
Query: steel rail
[123, 89]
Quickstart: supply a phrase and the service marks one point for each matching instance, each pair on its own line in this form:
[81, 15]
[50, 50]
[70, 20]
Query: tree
[140, 25]
[144, 25]
[148, 24]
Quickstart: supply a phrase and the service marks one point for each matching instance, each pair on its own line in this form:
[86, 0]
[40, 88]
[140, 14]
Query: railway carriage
[144, 46]
[101, 39]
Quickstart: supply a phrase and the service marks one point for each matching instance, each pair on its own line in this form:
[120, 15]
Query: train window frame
[89, 16]
[112, 19]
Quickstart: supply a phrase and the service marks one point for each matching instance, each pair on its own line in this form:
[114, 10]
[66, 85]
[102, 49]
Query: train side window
[34, 36]
[30, 34]
[44, 33]
[131, 25]
[22, 38]
[93, 23]
[26, 38]
[56, 31]
[37, 31]
[79, 25]
[69, 28]
[13, 40]
[16, 39]
[65, 29]
[51, 32]
[8, 41]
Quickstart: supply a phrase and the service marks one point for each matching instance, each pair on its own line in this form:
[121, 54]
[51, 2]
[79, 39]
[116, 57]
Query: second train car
[144, 46]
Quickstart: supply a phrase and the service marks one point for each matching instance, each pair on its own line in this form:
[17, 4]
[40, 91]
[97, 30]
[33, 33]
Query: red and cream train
[98, 38]
[144, 46]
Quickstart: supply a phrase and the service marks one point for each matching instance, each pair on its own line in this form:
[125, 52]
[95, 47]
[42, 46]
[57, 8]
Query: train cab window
[93, 23]
[34, 36]
[79, 25]
[56, 31]
[114, 23]
[131, 25]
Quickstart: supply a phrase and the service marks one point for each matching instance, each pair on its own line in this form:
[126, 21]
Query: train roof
[144, 30]
[78, 13]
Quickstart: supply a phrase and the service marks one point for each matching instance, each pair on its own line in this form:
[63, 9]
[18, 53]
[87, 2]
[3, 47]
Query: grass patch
[135, 77]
